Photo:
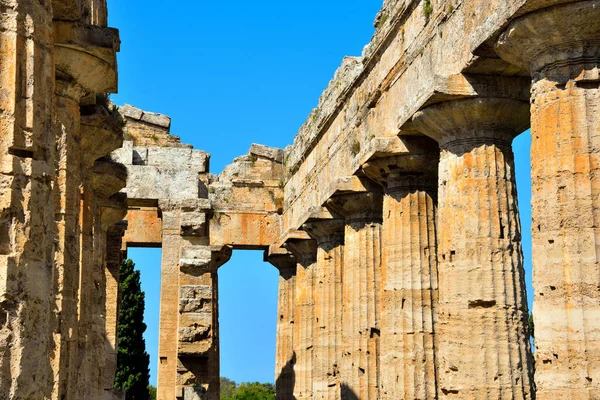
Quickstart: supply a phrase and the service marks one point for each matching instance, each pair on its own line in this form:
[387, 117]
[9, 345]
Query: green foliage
[246, 391]
[427, 9]
[531, 326]
[151, 392]
[132, 362]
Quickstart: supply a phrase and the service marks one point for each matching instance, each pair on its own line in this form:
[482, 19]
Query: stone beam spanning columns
[484, 349]
[305, 251]
[329, 235]
[285, 360]
[409, 270]
[560, 46]
[360, 202]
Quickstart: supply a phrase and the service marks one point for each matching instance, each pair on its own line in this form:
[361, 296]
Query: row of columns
[430, 277]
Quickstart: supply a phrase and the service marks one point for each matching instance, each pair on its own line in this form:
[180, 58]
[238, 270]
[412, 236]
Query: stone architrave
[409, 284]
[305, 252]
[361, 288]
[481, 276]
[285, 358]
[560, 46]
[329, 235]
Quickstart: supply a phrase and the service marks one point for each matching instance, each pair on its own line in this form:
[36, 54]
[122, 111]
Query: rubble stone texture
[401, 273]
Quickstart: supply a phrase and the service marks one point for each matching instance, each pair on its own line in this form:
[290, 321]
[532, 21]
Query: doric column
[69, 220]
[361, 285]
[329, 235]
[305, 252]
[560, 46]
[26, 221]
[408, 310]
[285, 360]
[484, 350]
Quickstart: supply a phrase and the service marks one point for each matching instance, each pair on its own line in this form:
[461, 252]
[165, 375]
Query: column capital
[357, 206]
[108, 177]
[473, 121]
[304, 250]
[326, 231]
[561, 41]
[282, 259]
[416, 169]
[112, 209]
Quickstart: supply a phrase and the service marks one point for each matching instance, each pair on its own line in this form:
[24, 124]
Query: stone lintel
[185, 205]
[87, 53]
[478, 120]
[549, 40]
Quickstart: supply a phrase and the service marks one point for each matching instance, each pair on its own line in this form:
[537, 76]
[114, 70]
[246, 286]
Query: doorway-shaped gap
[148, 261]
[248, 317]
[521, 148]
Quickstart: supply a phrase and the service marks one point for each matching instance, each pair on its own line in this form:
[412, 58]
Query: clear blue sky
[232, 73]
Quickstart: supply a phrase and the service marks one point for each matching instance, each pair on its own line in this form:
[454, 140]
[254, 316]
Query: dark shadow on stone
[348, 393]
[285, 382]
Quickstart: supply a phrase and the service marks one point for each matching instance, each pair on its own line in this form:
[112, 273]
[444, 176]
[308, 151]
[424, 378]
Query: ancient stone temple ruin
[392, 217]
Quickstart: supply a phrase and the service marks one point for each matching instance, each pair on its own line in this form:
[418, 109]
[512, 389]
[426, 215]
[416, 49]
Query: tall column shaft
[563, 56]
[329, 235]
[361, 286]
[409, 272]
[68, 193]
[483, 340]
[26, 221]
[304, 317]
[285, 355]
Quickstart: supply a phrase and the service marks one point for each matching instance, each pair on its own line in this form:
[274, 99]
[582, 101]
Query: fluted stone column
[285, 355]
[26, 221]
[560, 46]
[409, 271]
[361, 286]
[329, 235]
[484, 350]
[305, 252]
[68, 217]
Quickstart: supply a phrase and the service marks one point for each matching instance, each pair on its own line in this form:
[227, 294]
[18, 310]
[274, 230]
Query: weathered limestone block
[409, 299]
[285, 358]
[560, 46]
[481, 277]
[361, 288]
[329, 235]
[305, 252]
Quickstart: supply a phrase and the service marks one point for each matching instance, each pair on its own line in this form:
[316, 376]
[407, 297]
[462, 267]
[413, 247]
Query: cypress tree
[133, 362]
